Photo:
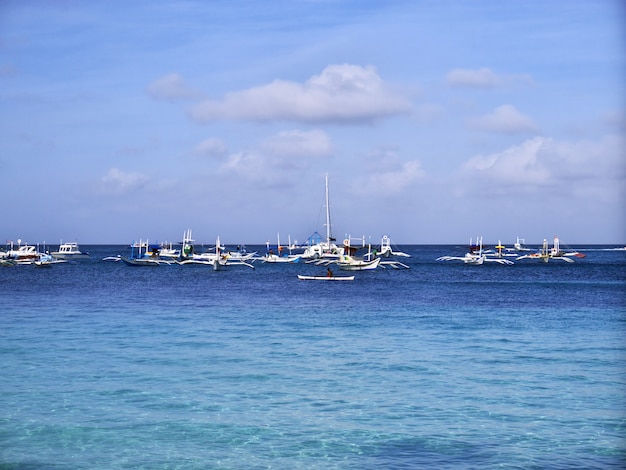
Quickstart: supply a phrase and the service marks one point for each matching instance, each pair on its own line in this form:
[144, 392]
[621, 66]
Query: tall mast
[328, 232]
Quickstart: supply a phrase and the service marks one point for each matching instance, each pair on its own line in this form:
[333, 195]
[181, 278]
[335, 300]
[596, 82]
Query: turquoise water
[439, 366]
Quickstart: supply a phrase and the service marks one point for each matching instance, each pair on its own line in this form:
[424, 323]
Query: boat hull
[358, 265]
[325, 278]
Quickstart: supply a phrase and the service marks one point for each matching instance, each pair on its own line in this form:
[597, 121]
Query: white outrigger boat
[546, 253]
[476, 256]
[271, 257]
[520, 245]
[214, 258]
[388, 255]
[217, 258]
[140, 257]
[349, 262]
[386, 251]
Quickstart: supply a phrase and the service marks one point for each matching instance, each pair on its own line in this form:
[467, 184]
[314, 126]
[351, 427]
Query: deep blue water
[439, 366]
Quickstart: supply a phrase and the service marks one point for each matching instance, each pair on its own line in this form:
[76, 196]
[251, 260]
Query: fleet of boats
[323, 253]
[318, 250]
[478, 255]
[25, 254]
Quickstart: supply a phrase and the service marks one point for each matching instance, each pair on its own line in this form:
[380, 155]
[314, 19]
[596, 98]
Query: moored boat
[69, 251]
[546, 253]
[477, 256]
[350, 262]
[387, 251]
[140, 257]
[324, 249]
[271, 257]
[325, 278]
[23, 254]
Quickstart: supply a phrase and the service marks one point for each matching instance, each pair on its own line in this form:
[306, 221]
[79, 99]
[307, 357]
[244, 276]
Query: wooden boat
[349, 263]
[477, 256]
[325, 278]
[271, 257]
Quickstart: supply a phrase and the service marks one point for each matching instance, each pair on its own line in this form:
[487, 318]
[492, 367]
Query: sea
[442, 365]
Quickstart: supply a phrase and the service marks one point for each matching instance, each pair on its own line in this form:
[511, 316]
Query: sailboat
[324, 249]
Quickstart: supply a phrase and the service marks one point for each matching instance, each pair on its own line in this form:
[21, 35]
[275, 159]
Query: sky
[435, 121]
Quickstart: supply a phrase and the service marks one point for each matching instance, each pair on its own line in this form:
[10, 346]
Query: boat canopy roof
[314, 239]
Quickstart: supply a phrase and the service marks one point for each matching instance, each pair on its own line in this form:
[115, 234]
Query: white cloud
[280, 159]
[395, 181]
[299, 144]
[505, 119]
[118, 182]
[253, 168]
[211, 147]
[516, 165]
[480, 78]
[341, 93]
[567, 168]
[483, 78]
[392, 176]
[172, 87]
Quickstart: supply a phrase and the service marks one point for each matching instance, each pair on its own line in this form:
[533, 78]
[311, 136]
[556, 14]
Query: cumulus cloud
[562, 166]
[118, 182]
[519, 164]
[172, 87]
[387, 174]
[505, 119]
[483, 78]
[280, 158]
[341, 93]
[258, 169]
[394, 181]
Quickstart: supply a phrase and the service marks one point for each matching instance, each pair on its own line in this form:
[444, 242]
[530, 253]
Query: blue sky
[436, 121]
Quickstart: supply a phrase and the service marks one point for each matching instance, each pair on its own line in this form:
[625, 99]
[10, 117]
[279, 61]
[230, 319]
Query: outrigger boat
[476, 256]
[386, 251]
[216, 258]
[349, 262]
[142, 257]
[520, 245]
[546, 253]
[272, 257]
[387, 254]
